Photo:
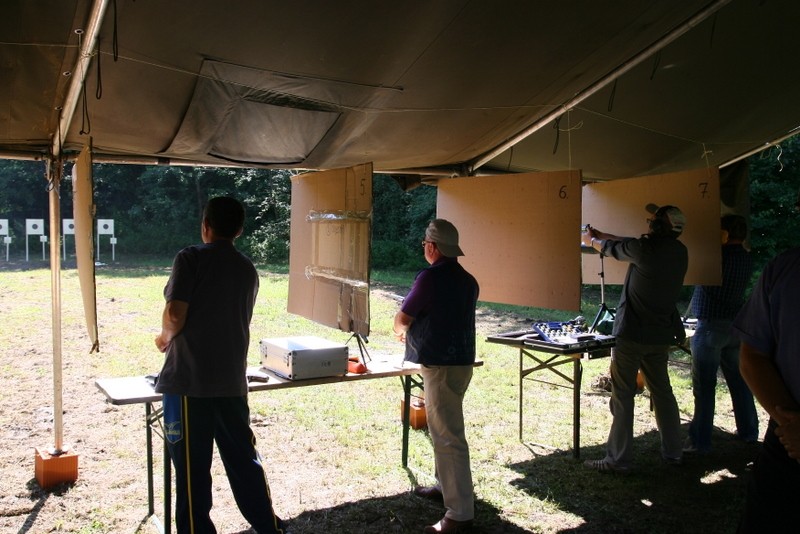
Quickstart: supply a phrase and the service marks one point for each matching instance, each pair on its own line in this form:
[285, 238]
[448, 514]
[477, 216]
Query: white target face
[3, 226]
[34, 226]
[105, 226]
[68, 226]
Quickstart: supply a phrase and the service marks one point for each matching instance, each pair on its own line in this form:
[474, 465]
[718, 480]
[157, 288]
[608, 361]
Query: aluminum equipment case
[302, 357]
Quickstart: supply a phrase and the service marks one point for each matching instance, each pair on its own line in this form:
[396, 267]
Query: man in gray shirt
[646, 324]
[205, 334]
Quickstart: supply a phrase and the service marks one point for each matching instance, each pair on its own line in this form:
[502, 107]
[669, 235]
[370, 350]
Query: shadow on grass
[403, 513]
[705, 494]
[39, 496]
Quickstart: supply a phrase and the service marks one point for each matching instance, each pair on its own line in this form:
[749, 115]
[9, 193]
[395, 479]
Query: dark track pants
[773, 492]
[192, 425]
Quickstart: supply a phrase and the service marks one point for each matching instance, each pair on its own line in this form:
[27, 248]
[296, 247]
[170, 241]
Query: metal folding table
[139, 390]
[550, 357]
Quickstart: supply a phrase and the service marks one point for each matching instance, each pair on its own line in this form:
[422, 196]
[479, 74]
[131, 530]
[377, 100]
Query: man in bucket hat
[437, 323]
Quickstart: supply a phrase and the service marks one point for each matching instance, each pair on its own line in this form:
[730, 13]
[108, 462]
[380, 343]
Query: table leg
[521, 355]
[148, 409]
[151, 417]
[577, 375]
[406, 380]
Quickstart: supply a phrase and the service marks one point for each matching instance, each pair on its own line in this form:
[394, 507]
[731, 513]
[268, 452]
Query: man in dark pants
[646, 324]
[205, 333]
[437, 323]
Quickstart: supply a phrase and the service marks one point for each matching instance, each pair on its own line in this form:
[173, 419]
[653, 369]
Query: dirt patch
[110, 494]
[332, 453]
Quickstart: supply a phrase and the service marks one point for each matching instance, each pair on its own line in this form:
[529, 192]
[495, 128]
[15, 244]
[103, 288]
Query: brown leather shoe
[429, 492]
[448, 525]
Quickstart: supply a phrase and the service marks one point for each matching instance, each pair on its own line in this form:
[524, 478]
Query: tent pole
[54, 172]
[765, 146]
[600, 84]
[56, 465]
[54, 182]
[79, 73]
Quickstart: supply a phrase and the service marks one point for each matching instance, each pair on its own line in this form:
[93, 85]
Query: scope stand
[362, 347]
[603, 307]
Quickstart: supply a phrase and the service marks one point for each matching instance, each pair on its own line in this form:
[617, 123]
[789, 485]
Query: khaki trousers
[445, 387]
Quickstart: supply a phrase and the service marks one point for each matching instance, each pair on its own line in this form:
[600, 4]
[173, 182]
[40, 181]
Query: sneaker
[605, 466]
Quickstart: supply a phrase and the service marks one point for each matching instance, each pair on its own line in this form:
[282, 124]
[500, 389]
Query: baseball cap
[669, 214]
[445, 235]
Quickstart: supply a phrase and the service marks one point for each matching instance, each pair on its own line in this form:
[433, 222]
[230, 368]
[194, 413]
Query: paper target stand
[4, 233]
[106, 227]
[67, 228]
[34, 227]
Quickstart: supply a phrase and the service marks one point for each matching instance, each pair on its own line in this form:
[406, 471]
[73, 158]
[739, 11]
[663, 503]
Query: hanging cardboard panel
[83, 214]
[618, 207]
[331, 224]
[520, 235]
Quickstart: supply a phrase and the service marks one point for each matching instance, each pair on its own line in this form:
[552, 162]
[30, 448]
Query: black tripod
[362, 347]
[604, 309]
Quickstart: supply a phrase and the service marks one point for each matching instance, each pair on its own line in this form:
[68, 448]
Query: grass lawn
[332, 452]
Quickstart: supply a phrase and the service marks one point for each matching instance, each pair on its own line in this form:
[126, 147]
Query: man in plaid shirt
[714, 345]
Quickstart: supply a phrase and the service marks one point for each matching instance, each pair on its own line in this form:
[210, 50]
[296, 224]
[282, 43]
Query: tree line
[157, 209]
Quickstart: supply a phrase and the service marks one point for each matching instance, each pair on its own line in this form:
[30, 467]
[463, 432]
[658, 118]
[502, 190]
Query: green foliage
[421, 210]
[157, 209]
[23, 195]
[774, 183]
[395, 255]
[398, 222]
[267, 197]
[390, 208]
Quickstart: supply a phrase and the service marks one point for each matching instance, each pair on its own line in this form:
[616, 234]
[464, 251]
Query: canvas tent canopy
[447, 88]
[417, 89]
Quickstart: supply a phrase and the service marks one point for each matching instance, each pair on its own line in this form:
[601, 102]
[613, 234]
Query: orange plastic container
[416, 415]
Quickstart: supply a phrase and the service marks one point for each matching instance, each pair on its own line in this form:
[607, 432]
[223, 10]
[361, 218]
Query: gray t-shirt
[768, 321]
[208, 358]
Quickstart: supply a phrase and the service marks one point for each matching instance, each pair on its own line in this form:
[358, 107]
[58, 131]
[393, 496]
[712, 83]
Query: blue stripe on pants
[193, 425]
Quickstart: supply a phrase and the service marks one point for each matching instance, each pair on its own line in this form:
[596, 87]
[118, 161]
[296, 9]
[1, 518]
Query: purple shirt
[442, 302]
[420, 295]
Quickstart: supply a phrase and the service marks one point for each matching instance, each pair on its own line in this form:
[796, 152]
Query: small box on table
[302, 357]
